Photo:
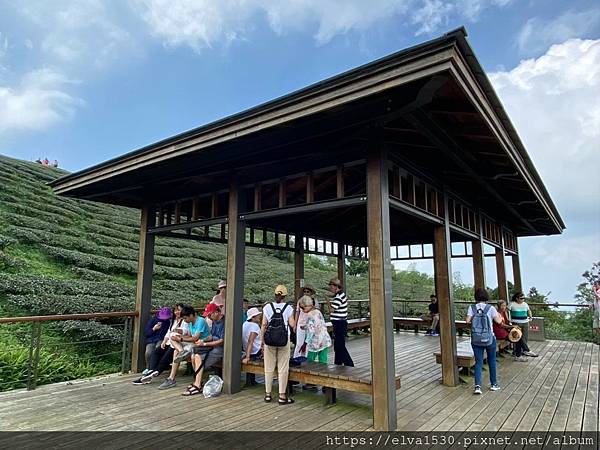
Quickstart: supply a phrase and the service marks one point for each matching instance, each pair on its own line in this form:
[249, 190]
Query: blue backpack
[481, 330]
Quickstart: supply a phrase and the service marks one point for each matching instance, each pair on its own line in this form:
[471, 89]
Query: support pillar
[298, 265]
[143, 291]
[341, 264]
[383, 367]
[236, 252]
[479, 260]
[501, 274]
[516, 265]
[443, 285]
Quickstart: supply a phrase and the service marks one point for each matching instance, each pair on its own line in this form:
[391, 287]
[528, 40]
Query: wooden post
[383, 367]
[501, 273]
[298, 265]
[443, 285]
[143, 291]
[341, 264]
[516, 265]
[236, 250]
[479, 259]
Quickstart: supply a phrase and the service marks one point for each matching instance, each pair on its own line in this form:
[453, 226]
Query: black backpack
[276, 334]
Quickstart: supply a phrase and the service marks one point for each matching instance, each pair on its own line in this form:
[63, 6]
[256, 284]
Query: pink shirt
[219, 301]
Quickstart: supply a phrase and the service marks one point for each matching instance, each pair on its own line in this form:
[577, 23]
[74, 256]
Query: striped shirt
[339, 304]
[518, 312]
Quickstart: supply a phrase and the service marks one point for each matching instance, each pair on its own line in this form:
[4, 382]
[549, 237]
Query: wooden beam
[516, 265]
[236, 252]
[282, 193]
[310, 188]
[380, 292]
[143, 291]
[214, 209]
[298, 265]
[340, 181]
[443, 285]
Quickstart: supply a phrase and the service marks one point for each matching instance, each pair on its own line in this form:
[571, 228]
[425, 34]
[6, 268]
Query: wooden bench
[464, 356]
[363, 324]
[332, 377]
[418, 322]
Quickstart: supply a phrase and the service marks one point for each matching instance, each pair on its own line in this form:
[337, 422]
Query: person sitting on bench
[207, 352]
[434, 316]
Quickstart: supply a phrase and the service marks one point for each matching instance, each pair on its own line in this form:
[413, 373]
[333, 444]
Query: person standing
[317, 340]
[219, 299]
[481, 316]
[278, 320]
[338, 314]
[520, 314]
[596, 306]
[300, 318]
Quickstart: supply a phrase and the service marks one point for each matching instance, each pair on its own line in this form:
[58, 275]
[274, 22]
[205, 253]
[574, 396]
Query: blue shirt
[218, 330]
[200, 327]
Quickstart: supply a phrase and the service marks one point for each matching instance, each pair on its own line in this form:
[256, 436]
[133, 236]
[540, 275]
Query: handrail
[465, 302]
[59, 317]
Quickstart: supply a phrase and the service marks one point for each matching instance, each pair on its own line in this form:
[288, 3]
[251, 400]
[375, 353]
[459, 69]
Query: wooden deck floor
[557, 391]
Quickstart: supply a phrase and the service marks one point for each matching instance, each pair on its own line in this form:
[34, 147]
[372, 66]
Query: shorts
[209, 355]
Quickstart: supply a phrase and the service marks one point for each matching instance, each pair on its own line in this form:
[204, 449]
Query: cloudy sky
[83, 81]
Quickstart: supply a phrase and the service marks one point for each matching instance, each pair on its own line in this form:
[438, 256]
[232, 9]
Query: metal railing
[45, 349]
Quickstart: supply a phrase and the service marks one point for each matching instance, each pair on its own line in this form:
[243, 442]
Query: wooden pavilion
[411, 149]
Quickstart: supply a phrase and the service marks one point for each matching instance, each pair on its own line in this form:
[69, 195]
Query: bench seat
[418, 322]
[363, 324]
[333, 377]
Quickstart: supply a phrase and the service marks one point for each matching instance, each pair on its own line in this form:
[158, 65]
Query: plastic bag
[212, 387]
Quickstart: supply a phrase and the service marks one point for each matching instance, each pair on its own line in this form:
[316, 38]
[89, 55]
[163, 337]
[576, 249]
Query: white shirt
[177, 323]
[247, 329]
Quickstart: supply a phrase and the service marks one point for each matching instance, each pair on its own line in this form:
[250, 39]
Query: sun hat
[335, 282]
[309, 287]
[210, 308]
[253, 312]
[164, 313]
[515, 335]
[281, 290]
[222, 284]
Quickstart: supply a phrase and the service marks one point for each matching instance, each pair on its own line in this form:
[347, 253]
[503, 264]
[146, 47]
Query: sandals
[268, 398]
[192, 390]
[285, 401]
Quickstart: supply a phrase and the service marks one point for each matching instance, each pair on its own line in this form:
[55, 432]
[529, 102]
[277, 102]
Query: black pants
[341, 355]
[161, 358]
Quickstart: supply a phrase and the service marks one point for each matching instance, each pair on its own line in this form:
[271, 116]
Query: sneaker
[477, 390]
[428, 333]
[494, 387]
[434, 334]
[140, 381]
[148, 377]
[168, 383]
[533, 355]
[146, 372]
[182, 356]
[520, 358]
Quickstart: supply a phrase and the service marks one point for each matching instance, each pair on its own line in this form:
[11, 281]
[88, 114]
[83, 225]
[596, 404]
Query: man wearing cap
[277, 356]
[207, 352]
[338, 314]
[219, 299]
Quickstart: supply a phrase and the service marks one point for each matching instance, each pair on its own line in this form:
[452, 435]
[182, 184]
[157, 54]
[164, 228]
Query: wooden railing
[14, 329]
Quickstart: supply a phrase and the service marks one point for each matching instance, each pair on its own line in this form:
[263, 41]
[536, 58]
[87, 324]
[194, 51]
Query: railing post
[126, 350]
[34, 355]
[360, 314]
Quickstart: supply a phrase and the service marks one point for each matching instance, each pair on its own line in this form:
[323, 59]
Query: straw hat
[281, 290]
[515, 334]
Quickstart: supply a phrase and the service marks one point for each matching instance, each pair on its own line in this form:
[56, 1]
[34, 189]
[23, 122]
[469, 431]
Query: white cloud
[538, 34]
[78, 32]
[203, 23]
[39, 102]
[553, 103]
[575, 252]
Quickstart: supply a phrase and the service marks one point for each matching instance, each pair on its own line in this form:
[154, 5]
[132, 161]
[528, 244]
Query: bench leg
[330, 396]
[417, 329]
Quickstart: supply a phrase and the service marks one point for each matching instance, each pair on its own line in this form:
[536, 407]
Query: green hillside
[59, 255]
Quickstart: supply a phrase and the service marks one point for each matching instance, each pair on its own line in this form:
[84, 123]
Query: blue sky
[85, 81]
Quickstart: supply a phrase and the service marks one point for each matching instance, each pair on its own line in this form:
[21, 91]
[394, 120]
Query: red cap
[210, 308]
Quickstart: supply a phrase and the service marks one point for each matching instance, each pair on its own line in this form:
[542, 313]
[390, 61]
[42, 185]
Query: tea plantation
[61, 255]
